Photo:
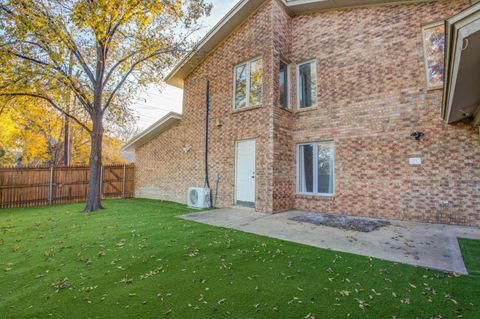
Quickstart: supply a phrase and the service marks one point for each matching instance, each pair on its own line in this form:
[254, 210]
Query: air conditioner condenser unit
[198, 198]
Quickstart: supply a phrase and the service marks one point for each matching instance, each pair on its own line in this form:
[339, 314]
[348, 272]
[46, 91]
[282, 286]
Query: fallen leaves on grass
[193, 252]
[406, 301]
[362, 304]
[344, 293]
[125, 280]
[48, 253]
[61, 284]
[87, 289]
[152, 273]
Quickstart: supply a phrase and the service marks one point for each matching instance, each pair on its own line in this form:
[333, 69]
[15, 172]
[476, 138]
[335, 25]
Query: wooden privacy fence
[38, 186]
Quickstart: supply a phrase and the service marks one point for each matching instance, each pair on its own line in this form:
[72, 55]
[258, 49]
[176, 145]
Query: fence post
[101, 182]
[124, 180]
[50, 187]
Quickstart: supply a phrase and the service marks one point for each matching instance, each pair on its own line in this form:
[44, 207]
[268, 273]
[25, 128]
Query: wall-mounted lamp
[417, 135]
[465, 44]
[465, 113]
[186, 149]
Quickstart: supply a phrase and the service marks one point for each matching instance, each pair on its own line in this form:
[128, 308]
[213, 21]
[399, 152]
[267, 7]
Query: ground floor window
[315, 168]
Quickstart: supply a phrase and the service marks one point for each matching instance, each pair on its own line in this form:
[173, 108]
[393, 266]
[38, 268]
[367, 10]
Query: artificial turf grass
[471, 255]
[136, 259]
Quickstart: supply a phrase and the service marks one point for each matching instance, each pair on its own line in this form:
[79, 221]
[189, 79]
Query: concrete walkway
[419, 244]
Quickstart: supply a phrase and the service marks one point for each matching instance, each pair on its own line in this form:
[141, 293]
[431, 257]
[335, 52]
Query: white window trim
[314, 61]
[289, 103]
[315, 169]
[247, 97]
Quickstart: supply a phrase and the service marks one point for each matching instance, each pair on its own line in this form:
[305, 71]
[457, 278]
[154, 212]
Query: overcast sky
[159, 101]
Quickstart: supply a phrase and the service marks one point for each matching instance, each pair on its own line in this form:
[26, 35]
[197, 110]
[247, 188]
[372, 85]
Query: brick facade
[371, 96]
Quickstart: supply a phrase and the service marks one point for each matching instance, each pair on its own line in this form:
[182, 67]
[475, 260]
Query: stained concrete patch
[420, 244]
[364, 225]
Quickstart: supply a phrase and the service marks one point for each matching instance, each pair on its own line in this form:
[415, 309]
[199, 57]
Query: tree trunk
[94, 184]
[66, 142]
[94, 196]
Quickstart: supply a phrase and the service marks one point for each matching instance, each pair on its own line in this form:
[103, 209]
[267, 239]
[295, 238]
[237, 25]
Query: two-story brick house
[313, 105]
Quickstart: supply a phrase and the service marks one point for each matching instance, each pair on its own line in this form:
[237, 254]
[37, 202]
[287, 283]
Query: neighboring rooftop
[242, 11]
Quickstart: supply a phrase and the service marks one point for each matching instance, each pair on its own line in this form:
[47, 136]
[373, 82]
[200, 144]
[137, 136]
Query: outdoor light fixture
[417, 135]
[465, 44]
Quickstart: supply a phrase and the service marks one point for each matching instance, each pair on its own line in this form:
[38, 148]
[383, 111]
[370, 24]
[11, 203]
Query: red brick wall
[371, 96]
[252, 39]
[284, 148]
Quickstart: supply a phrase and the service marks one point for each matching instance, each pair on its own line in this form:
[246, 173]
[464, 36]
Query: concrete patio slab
[420, 244]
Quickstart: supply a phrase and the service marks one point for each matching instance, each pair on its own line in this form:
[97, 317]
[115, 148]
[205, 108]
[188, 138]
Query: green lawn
[136, 259]
[471, 252]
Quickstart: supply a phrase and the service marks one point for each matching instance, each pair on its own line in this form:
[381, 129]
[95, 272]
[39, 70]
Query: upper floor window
[283, 83]
[248, 84]
[315, 168]
[307, 84]
[434, 46]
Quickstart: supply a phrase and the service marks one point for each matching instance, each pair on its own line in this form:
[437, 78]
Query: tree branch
[116, 65]
[132, 68]
[69, 42]
[3, 108]
[24, 57]
[51, 102]
[67, 79]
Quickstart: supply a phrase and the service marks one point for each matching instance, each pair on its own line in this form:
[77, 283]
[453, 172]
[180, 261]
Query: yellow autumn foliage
[34, 134]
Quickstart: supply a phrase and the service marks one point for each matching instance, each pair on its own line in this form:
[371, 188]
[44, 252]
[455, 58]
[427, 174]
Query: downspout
[207, 113]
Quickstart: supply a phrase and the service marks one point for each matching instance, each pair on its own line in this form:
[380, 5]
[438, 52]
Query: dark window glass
[305, 163]
[307, 85]
[241, 86]
[283, 84]
[325, 168]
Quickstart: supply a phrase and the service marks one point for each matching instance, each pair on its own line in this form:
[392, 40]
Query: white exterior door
[245, 173]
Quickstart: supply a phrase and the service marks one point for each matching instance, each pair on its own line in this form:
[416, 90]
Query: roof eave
[152, 131]
[220, 31]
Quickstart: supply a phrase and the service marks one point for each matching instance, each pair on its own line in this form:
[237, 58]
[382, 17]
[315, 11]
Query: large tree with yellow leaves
[99, 52]
[32, 133]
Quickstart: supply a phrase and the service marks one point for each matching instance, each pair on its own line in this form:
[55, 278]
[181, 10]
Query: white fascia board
[153, 131]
